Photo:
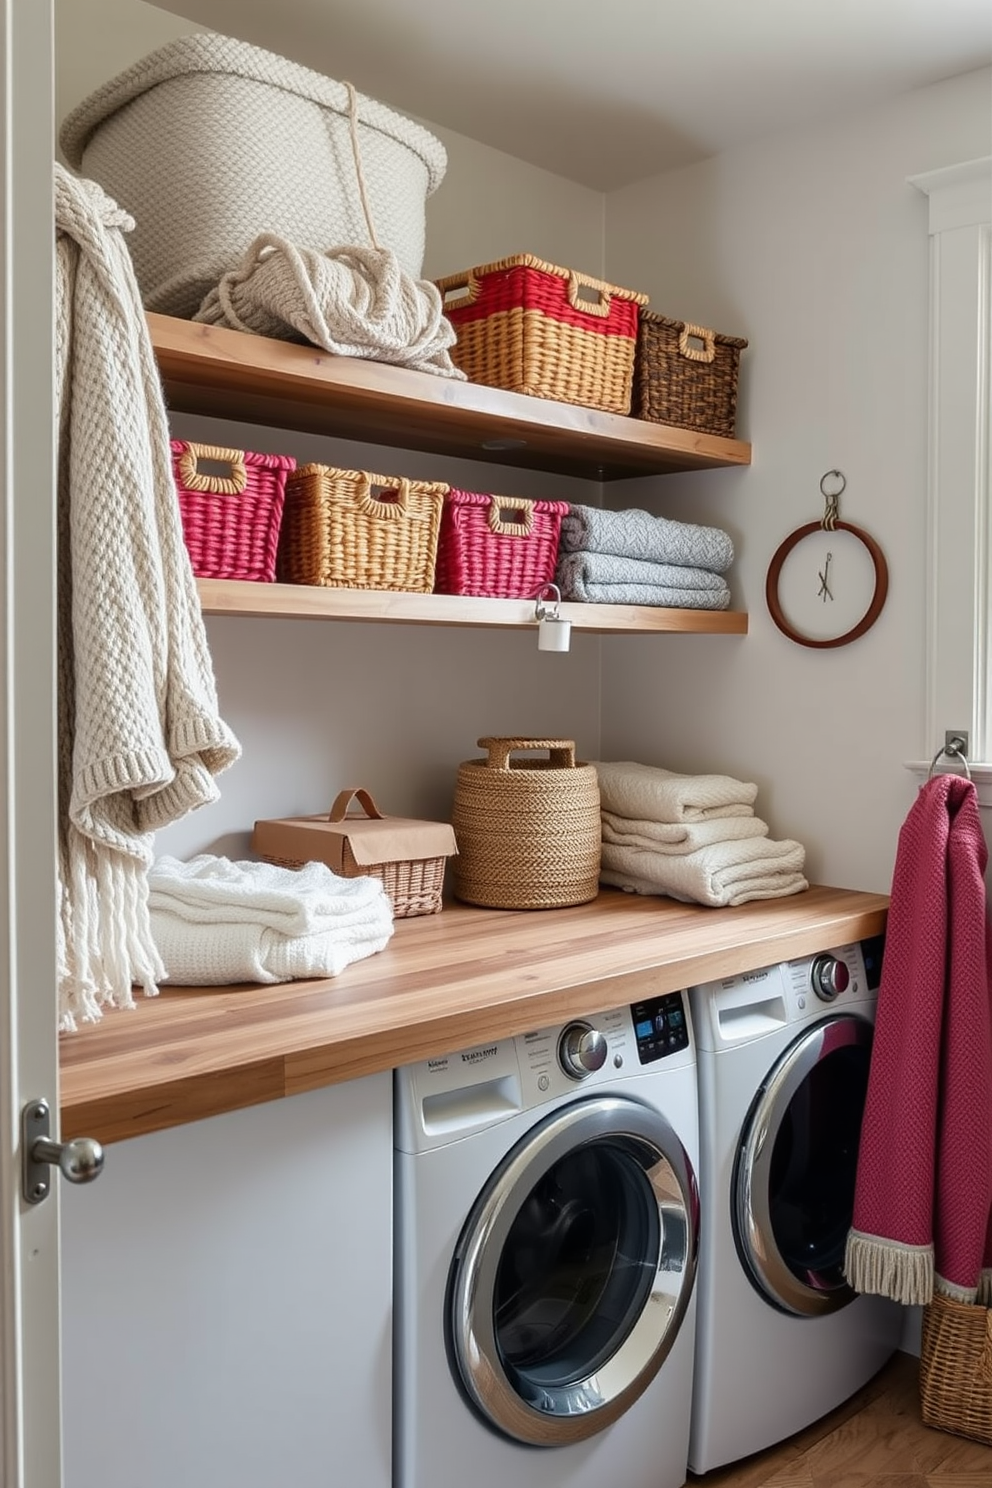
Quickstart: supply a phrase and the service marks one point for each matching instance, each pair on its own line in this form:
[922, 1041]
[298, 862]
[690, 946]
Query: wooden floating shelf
[303, 602]
[229, 374]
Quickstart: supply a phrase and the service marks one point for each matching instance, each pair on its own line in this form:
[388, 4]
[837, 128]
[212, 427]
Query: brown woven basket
[348, 529]
[956, 1368]
[528, 831]
[685, 375]
[532, 327]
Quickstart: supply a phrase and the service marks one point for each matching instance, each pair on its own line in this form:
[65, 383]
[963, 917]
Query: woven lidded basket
[956, 1368]
[348, 529]
[209, 141]
[497, 545]
[685, 375]
[528, 831]
[231, 506]
[531, 327]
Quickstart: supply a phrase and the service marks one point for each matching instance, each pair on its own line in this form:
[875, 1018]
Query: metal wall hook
[955, 747]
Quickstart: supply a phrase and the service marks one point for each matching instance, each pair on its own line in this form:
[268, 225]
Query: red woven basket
[498, 546]
[230, 502]
[531, 327]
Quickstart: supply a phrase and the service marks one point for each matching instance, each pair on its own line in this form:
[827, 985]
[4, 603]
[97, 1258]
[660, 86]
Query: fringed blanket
[923, 1198]
[139, 735]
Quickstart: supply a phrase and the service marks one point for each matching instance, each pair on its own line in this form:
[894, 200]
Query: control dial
[581, 1050]
[829, 976]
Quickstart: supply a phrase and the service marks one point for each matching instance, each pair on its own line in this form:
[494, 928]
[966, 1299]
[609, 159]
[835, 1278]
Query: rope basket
[956, 1368]
[231, 515]
[531, 327]
[497, 545]
[348, 529]
[528, 831]
[685, 375]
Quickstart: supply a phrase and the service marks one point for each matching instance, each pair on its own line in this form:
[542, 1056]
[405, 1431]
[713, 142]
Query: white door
[30, 1453]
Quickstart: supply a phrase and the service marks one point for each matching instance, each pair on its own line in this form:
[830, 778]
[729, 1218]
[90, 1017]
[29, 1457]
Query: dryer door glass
[793, 1185]
[574, 1271]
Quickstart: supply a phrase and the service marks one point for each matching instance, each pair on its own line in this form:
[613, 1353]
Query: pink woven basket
[230, 502]
[498, 546]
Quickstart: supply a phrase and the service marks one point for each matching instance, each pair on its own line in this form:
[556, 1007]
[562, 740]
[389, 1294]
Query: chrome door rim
[586, 1406]
[750, 1186]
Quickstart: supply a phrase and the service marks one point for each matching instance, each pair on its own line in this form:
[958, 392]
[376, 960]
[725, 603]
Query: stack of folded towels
[692, 837]
[215, 921]
[631, 557]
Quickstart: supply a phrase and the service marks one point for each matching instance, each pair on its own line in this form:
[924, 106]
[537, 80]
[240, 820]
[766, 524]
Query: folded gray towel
[586, 576]
[637, 534]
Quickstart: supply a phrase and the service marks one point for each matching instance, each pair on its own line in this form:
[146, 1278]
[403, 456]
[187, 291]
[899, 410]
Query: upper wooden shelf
[308, 602]
[228, 374]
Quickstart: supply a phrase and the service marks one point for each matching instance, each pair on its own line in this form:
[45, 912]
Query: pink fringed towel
[923, 1198]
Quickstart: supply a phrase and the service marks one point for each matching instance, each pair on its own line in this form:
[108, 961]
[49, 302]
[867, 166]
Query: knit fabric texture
[923, 1199]
[140, 739]
[604, 578]
[638, 534]
[354, 302]
[650, 793]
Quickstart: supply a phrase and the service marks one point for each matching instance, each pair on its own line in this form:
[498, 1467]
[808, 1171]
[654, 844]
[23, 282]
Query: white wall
[814, 247]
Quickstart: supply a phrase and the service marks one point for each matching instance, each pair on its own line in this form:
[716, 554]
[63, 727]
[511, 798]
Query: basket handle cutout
[561, 751]
[696, 343]
[392, 502]
[518, 520]
[595, 300]
[455, 282]
[343, 800]
[228, 476]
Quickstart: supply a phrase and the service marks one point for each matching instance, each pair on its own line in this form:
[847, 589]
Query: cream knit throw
[649, 793]
[354, 302]
[139, 735]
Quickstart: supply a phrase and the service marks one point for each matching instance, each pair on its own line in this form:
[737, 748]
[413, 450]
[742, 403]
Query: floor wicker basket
[956, 1368]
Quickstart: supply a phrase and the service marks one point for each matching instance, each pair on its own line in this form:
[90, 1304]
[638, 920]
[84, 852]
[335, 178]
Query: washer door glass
[793, 1185]
[574, 1271]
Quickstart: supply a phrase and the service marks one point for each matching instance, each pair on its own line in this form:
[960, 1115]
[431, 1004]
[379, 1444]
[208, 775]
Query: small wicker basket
[231, 515]
[531, 327]
[497, 545]
[956, 1368]
[348, 529]
[685, 375]
[528, 831]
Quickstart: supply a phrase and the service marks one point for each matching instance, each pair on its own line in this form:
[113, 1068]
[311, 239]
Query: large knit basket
[532, 327]
[528, 831]
[956, 1368]
[209, 142]
[349, 529]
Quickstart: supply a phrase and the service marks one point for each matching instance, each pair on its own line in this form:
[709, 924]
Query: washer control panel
[660, 1027]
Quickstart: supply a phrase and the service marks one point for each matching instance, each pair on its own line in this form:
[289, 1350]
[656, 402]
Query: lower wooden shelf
[306, 602]
[444, 982]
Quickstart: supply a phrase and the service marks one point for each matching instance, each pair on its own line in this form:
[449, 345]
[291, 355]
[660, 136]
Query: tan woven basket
[532, 327]
[348, 529]
[956, 1368]
[528, 831]
[686, 375]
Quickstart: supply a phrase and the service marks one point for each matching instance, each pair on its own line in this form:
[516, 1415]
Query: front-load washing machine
[547, 1221]
[783, 1057]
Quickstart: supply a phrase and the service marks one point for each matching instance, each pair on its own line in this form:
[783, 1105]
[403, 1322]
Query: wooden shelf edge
[306, 602]
[216, 371]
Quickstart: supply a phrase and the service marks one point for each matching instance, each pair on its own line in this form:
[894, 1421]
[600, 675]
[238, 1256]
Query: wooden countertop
[444, 982]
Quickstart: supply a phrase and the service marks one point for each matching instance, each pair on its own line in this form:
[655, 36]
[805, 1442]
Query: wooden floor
[876, 1440]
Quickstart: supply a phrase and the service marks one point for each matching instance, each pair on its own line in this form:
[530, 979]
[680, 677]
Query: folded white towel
[215, 921]
[293, 901]
[722, 874]
[648, 793]
[211, 955]
[679, 837]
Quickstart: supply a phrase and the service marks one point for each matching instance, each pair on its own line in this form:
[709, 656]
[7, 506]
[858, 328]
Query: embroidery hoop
[829, 522]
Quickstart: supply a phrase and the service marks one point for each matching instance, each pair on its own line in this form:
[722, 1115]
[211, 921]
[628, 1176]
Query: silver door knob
[80, 1161]
[581, 1050]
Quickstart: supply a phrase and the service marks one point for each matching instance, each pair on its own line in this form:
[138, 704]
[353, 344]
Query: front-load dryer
[547, 1227]
[783, 1057]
